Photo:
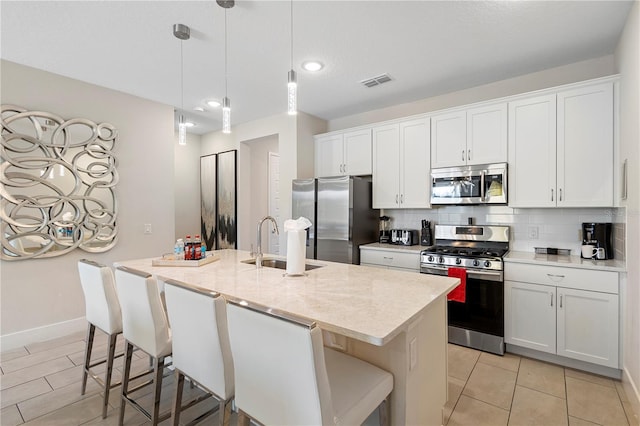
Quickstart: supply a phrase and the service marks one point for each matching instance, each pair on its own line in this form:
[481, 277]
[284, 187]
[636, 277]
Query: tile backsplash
[530, 228]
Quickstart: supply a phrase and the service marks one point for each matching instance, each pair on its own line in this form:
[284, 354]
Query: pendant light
[226, 103]
[292, 83]
[181, 32]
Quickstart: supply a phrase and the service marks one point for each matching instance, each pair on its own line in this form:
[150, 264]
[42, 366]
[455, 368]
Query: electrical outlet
[147, 228]
[413, 353]
[533, 232]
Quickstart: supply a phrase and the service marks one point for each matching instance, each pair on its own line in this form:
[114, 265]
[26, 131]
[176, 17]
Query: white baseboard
[41, 334]
[633, 393]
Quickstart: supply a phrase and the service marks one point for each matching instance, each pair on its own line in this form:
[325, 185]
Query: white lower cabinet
[564, 311]
[391, 259]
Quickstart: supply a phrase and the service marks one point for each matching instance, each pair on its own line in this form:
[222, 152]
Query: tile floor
[40, 385]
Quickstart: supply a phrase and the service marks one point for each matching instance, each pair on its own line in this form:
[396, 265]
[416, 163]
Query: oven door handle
[487, 275]
[482, 189]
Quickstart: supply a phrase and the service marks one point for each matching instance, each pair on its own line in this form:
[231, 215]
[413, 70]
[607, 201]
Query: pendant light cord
[225, 53]
[181, 80]
[291, 34]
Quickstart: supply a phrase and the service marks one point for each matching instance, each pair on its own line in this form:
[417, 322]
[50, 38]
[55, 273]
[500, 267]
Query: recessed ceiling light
[213, 103]
[312, 65]
[199, 109]
[189, 124]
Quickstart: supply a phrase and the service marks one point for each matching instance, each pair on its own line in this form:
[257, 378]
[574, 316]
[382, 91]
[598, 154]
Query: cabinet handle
[560, 195]
[469, 154]
[551, 194]
[623, 195]
[401, 198]
[387, 258]
[463, 155]
[396, 198]
[344, 168]
[551, 299]
[560, 300]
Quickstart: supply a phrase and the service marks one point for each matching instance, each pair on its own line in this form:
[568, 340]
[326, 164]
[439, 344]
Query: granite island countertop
[365, 303]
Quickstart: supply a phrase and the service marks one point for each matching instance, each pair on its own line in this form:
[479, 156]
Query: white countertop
[612, 265]
[380, 246]
[366, 303]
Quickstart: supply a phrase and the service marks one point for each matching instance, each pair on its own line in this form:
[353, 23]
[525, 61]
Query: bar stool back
[145, 326]
[285, 376]
[102, 311]
[201, 348]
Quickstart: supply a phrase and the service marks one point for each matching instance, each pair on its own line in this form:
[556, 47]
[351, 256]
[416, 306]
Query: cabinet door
[487, 134]
[414, 164]
[449, 139]
[329, 155]
[585, 147]
[530, 315]
[532, 152]
[386, 167]
[357, 153]
[588, 326]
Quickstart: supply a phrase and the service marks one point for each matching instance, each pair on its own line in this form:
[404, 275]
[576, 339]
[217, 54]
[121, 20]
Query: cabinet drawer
[581, 279]
[392, 258]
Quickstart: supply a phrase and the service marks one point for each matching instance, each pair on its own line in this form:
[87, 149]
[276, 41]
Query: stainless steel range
[479, 321]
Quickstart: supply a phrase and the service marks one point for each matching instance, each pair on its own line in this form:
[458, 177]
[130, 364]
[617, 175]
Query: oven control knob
[441, 259]
[487, 263]
[458, 261]
[430, 259]
[476, 263]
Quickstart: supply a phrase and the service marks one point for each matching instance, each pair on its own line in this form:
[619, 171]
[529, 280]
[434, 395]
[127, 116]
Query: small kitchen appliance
[479, 321]
[385, 234]
[600, 236]
[404, 237]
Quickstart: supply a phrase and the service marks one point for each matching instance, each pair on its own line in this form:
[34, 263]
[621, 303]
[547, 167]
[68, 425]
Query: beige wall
[578, 71]
[41, 297]
[187, 187]
[628, 65]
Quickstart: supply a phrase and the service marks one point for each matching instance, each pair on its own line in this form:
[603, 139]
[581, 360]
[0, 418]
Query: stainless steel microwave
[478, 184]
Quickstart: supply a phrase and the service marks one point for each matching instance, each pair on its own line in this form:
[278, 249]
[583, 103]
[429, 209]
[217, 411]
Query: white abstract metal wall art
[57, 183]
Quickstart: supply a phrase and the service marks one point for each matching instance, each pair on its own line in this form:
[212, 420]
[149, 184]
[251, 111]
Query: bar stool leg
[243, 419]
[125, 380]
[385, 409]
[158, 367]
[107, 378]
[177, 398]
[91, 331]
[224, 412]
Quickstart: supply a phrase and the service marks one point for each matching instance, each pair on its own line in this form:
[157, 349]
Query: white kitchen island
[396, 320]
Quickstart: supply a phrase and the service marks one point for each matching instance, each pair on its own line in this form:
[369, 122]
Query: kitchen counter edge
[612, 265]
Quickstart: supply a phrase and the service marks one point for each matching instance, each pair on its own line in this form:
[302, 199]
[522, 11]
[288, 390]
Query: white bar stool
[201, 348]
[284, 375]
[145, 326]
[102, 311]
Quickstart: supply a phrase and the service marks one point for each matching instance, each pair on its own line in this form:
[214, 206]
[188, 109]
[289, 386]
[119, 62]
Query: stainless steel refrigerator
[341, 213]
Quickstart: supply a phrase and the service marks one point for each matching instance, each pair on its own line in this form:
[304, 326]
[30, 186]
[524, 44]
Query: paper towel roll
[296, 250]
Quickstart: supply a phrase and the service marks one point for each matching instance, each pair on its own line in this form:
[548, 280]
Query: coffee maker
[599, 235]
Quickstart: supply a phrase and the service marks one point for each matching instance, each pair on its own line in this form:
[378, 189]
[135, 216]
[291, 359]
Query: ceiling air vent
[376, 81]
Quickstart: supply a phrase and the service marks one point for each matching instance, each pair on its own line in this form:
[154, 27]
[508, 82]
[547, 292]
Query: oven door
[479, 322]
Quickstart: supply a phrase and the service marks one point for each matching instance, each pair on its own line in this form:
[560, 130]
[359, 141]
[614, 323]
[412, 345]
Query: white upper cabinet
[449, 139]
[561, 149]
[401, 165]
[487, 134]
[341, 154]
[471, 136]
[532, 152]
[585, 146]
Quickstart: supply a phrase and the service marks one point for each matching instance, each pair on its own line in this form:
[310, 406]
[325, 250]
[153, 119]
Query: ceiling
[426, 47]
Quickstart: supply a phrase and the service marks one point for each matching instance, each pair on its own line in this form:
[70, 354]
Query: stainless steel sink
[269, 262]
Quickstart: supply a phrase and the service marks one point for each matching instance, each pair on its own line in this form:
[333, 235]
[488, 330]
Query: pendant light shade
[226, 115]
[181, 32]
[226, 102]
[292, 81]
[292, 93]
